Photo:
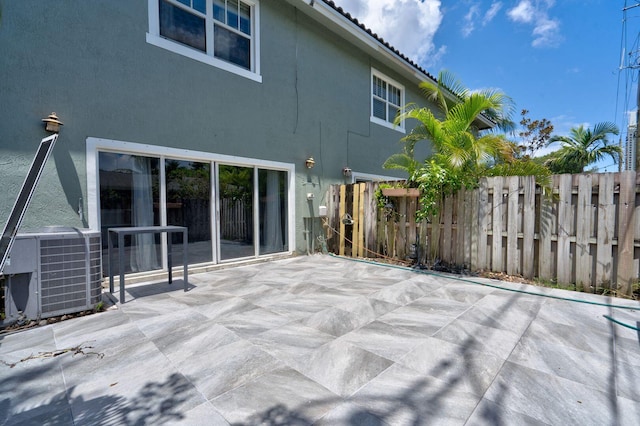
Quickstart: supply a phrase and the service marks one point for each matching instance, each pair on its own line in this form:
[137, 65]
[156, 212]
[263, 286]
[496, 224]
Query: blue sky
[560, 59]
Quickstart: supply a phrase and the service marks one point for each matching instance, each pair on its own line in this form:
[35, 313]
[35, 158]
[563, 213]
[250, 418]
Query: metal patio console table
[121, 232]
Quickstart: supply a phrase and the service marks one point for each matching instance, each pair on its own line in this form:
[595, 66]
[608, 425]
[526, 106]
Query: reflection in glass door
[129, 196]
[235, 192]
[188, 186]
[273, 211]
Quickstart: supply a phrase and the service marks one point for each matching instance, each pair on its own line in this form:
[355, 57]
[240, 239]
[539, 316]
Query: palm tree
[583, 147]
[457, 139]
[462, 137]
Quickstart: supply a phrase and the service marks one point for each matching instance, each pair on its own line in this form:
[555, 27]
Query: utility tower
[632, 157]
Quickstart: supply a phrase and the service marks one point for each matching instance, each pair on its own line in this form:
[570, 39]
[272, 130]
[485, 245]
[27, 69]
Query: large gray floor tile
[291, 343]
[414, 319]
[181, 344]
[32, 392]
[505, 311]
[388, 341]
[400, 293]
[400, 396]
[251, 323]
[226, 367]
[462, 292]
[349, 414]
[479, 337]
[465, 369]
[342, 367]
[489, 413]
[549, 398]
[283, 396]
[588, 368]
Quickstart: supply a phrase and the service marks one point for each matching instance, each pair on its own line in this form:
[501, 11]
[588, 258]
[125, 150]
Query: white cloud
[546, 30]
[469, 19]
[492, 12]
[408, 25]
[523, 12]
[474, 14]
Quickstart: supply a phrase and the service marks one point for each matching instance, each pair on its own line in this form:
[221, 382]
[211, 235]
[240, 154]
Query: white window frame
[375, 73]
[96, 145]
[154, 38]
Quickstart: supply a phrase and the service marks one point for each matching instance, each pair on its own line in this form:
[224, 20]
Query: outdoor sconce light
[346, 171]
[52, 124]
[347, 219]
[309, 163]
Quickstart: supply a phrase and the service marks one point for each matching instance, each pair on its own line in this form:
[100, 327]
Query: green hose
[621, 323]
[568, 299]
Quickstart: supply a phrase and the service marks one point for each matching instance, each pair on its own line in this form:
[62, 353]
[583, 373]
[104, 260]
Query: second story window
[223, 33]
[387, 98]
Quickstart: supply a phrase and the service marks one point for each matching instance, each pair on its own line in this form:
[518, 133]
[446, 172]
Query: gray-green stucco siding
[90, 63]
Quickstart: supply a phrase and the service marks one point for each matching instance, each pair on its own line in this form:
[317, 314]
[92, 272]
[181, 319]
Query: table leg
[110, 260]
[169, 259]
[121, 265]
[185, 259]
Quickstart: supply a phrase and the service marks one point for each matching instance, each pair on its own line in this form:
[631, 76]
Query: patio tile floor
[329, 341]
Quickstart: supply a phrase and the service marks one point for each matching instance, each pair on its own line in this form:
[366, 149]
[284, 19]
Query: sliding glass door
[129, 196]
[236, 194]
[240, 212]
[272, 211]
[188, 186]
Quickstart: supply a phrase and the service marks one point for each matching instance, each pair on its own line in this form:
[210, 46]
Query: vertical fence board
[401, 236]
[605, 232]
[563, 254]
[484, 212]
[446, 231]
[381, 240]
[583, 233]
[460, 221]
[496, 213]
[474, 230]
[342, 211]
[467, 221]
[361, 228]
[411, 220]
[434, 246]
[528, 226]
[512, 225]
[370, 219]
[355, 228]
[545, 226]
[626, 210]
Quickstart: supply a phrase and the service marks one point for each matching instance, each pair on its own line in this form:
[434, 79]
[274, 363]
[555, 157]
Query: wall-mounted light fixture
[346, 171]
[52, 124]
[309, 163]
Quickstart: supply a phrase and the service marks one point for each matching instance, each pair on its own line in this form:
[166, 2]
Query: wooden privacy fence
[587, 233]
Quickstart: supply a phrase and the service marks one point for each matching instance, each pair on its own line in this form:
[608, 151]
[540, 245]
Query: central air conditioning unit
[52, 272]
